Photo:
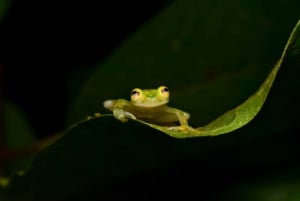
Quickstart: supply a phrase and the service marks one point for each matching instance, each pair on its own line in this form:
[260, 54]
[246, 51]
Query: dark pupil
[135, 93]
[164, 90]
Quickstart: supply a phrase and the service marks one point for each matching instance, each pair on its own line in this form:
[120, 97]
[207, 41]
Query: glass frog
[149, 105]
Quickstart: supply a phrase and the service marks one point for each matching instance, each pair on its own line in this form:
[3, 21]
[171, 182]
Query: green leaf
[242, 114]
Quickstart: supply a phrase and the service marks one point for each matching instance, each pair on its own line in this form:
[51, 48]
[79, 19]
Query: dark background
[43, 42]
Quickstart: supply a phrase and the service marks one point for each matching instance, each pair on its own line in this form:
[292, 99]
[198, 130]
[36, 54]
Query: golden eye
[136, 94]
[164, 91]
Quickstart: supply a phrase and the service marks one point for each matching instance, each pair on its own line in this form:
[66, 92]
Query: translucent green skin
[150, 107]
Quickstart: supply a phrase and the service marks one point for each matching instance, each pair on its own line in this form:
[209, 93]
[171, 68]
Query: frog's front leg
[117, 107]
[122, 115]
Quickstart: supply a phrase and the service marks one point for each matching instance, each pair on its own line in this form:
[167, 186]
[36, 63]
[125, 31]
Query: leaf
[202, 60]
[242, 114]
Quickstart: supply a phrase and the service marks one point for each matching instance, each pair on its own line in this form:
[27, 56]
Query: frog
[149, 105]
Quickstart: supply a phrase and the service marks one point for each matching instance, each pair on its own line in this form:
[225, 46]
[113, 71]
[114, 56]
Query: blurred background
[59, 60]
[43, 43]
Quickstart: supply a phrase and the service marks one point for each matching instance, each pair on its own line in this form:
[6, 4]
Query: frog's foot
[123, 115]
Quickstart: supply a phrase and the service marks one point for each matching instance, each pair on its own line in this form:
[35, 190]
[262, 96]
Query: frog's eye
[164, 91]
[136, 94]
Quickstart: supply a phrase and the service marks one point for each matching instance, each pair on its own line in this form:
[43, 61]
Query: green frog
[149, 105]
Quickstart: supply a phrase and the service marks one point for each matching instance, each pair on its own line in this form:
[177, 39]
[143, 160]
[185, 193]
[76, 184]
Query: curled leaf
[240, 115]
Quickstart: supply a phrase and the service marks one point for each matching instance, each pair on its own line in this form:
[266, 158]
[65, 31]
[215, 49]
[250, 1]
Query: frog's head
[150, 97]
